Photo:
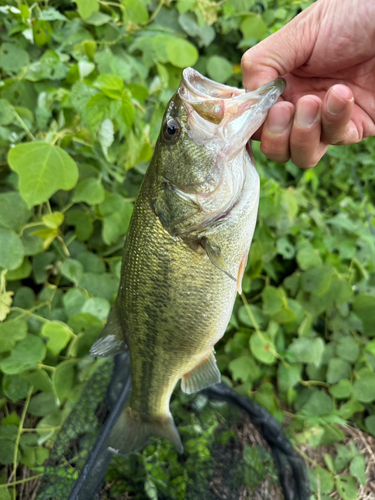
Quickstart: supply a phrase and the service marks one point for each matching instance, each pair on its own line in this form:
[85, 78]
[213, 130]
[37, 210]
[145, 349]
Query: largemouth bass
[186, 251]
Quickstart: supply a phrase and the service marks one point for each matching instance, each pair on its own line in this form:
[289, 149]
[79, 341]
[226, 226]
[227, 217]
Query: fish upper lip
[276, 86]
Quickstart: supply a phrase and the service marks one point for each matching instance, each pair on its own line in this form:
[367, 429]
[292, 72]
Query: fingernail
[279, 119]
[336, 103]
[307, 112]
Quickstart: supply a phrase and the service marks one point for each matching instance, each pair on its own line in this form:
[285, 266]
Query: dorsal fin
[112, 340]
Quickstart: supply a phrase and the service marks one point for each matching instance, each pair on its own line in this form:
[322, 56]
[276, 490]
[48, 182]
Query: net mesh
[226, 456]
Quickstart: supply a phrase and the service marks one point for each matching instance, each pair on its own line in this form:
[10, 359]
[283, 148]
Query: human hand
[327, 56]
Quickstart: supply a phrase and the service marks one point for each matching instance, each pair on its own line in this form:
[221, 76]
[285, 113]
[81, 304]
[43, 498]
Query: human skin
[327, 56]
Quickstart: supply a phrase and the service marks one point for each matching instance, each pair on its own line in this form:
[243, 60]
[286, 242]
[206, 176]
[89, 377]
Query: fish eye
[171, 130]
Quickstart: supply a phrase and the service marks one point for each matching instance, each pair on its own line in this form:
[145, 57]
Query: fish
[185, 252]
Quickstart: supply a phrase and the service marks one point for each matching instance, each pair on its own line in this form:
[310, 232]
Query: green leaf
[325, 480]
[125, 116]
[11, 249]
[348, 349]
[73, 270]
[319, 403]
[317, 280]
[110, 85]
[14, 212]
[106, 135]
[364, 388]
[308, 258]
[43, 169]
[370, 424]
[10, 332]
[7, 449]
[87, 7]
[63, 378]
[97, 110]
[26, 355]
[15, 387]
[285, 248]
[42, 404]
[338, 369]
[343, 457]
[358, 469]
[308, 350]
[151, 490]
[134, 12]
[342, 390]
[90, 191]
[6, 112]
[12, 58]
[253, 28]
[5, 494]
[364, 306]
[42, 32]
[58, 335]
[263, 348]
[181, 53]
[244, 368]
[348, 409]
[91, 262]
[32, 243]
[205, 34]
[117, 214]
[245, 318]
[73, 301]
[347, 488]
[272, 300]
[39, 379]
[219, 69]
[82, 222]
[98, 307]
[288, 376]
[100, 285]
[53, 220]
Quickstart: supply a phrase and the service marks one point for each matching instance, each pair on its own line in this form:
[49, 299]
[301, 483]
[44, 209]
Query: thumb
[287, 49]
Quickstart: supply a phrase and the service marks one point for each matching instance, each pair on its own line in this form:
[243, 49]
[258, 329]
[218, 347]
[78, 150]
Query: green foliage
[83, 94]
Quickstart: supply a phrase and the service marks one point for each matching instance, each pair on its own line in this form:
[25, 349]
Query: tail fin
[131, 433]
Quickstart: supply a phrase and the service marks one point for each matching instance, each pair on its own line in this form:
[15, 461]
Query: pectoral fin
[214, 254]
[202, 376]
[112, 340]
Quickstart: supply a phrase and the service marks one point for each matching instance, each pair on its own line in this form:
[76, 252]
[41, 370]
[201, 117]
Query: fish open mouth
[236, 113]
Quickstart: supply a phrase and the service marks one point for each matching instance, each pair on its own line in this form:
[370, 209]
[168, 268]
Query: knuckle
[279, 156]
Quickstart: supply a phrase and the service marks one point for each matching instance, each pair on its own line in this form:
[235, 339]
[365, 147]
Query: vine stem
[47, 367]
[20, 481]
[156, 12]
[24, 126]
[20, 427]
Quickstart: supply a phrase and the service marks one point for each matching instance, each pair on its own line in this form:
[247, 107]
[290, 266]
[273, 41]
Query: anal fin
[206, 373]
[112, 340]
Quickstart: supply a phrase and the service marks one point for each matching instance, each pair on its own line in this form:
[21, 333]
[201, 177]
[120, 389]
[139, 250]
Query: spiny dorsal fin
[206, 373]
[214, 254]
[112, 340]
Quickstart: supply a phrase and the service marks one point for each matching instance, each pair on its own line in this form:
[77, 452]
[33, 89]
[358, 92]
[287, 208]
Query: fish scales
[184, 256]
